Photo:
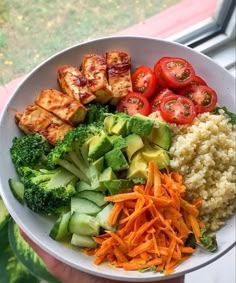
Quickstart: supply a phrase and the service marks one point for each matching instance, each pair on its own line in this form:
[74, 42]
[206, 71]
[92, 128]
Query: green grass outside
[33, 30]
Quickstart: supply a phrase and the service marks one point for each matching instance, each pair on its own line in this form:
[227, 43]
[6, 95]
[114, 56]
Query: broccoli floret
[208, 240]
[67, 152]
[48, 191]
[29, 150]
[96, 112]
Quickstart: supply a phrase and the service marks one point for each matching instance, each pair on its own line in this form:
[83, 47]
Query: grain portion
[204, 153]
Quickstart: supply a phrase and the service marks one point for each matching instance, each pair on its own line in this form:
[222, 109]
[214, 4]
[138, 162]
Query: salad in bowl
[122, 165]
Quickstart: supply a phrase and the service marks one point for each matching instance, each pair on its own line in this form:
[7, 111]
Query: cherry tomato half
[134, 103]
[144, 81]
[203, 97]
[177, 72]
[155, 104]
[157, 70]
[177, 109]
[198, 81]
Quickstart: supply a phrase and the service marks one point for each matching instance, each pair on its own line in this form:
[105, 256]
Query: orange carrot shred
[152, 223]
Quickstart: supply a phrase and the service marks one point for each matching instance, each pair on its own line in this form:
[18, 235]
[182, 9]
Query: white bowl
[143, 51]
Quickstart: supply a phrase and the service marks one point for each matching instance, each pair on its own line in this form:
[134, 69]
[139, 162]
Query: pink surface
[7, 89]
[172, 20]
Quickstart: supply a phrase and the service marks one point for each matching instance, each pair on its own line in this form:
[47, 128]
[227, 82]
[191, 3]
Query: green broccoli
[96, 112]
[231, 115]
[208, 241]
[68, 154]
[29, 150]
[48, 191]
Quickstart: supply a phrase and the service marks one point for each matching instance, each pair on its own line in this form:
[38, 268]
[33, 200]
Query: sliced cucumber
[17, 189]
[94, 196]
[61, 228]
[83, 186]
[83, 224]
[103, 215]
[83, 241]
[83, 205]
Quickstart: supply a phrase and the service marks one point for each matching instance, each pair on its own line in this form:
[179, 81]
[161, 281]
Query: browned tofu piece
[119, 77]
[37, 120]
[94, 68]
[62, 105]
[73, 83]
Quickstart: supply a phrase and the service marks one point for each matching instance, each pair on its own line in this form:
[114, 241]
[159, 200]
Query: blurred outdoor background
[33, 30]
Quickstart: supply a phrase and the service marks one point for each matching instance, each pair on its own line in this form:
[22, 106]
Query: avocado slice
[98, 146]
[116, 160]
[99, 164]
[134, 143]
[158, 155]
[118, 186]
[138, 166]
[119, 128]
[109, 122]
[160, 135]
[84, 149]
[106, 175]
[118, 141]
[141, 125]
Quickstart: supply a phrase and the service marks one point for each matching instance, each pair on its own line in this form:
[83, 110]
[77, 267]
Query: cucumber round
[17, 189]
[61, 228]
[83, 205]
[94, 196]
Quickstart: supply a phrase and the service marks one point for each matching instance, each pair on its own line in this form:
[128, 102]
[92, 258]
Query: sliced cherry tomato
[198, 81]
[155, 104]
[177, 72]
[144, 81]
[195, 82]
[157, 70]
[134, 103]
[177, 109]
[203, 97]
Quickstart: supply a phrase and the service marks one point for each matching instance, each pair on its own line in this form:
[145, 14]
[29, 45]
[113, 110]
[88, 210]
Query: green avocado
[118, 141]
[109, 122]
[99, 164]
[116, 160]
[107, 175]
[119, 128]
[141, 125]
[138, 167]
[160, 135]
[134, 143]
[118, 186]
[98, 146]
[158, 155]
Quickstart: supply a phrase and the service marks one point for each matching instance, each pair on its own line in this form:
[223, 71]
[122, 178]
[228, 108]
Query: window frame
[212, 32]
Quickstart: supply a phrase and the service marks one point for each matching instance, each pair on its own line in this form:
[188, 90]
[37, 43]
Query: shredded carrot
[115, 213]
[153, 221]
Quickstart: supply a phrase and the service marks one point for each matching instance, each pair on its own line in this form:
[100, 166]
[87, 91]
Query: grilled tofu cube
[94, 68]
[73, 83]
[119, 77]
[62, 105]
[37, 120]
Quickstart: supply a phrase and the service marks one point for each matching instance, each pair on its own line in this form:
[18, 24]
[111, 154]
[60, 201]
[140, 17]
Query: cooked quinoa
[204, 153]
